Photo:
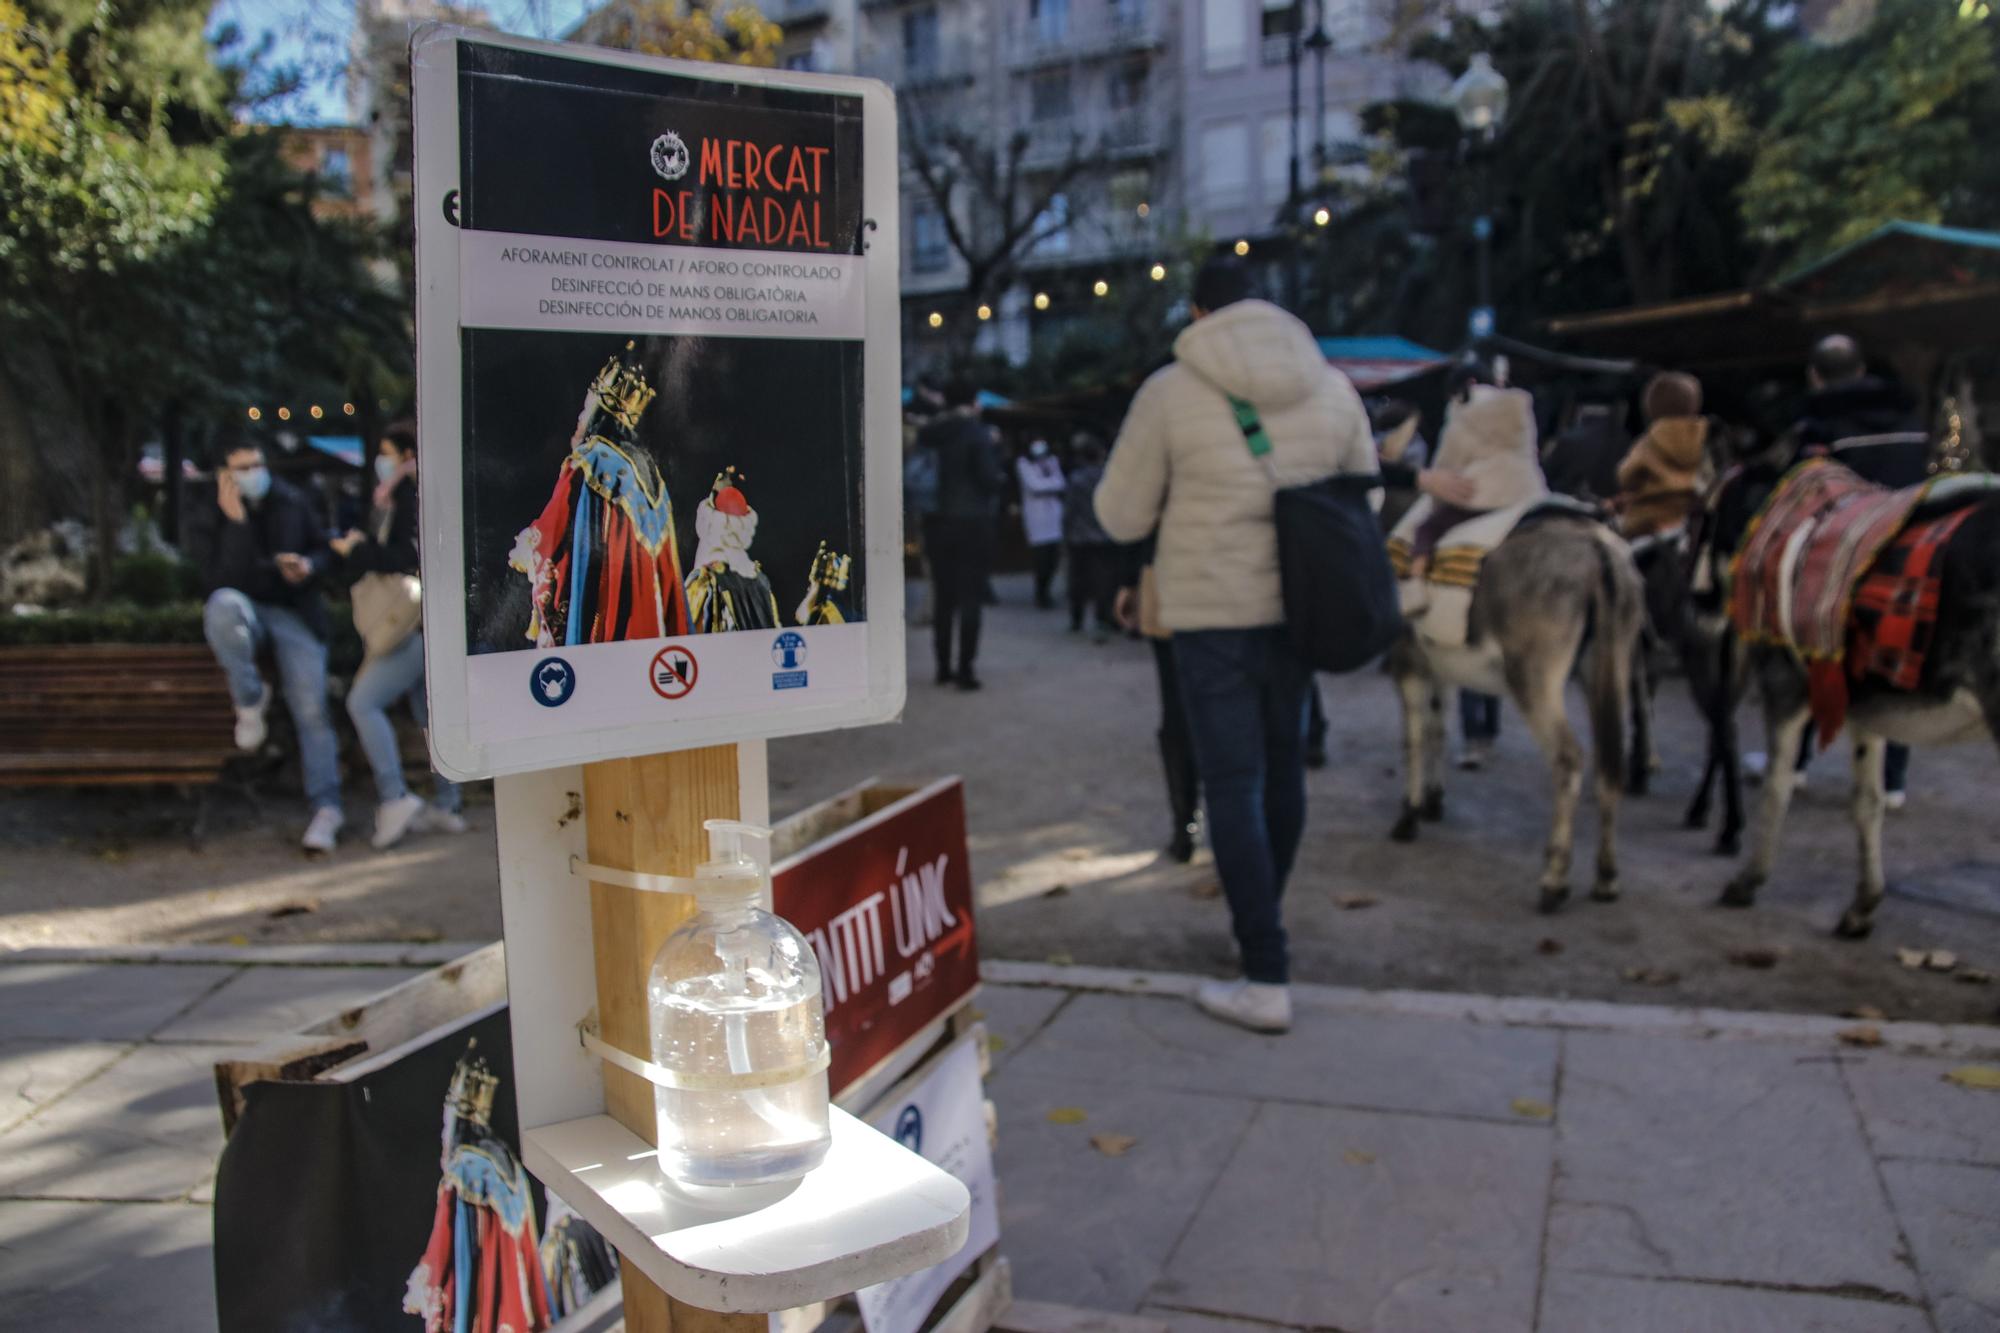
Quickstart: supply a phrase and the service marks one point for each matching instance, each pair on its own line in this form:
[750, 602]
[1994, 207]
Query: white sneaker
[437, 819]
[1248, 1004]
[1474, 756]
[250, 728]
[325, 827]
[1895, 800]
[393, 820]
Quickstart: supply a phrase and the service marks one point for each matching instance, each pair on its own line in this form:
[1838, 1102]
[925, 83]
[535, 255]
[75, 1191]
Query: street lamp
[1479, 96]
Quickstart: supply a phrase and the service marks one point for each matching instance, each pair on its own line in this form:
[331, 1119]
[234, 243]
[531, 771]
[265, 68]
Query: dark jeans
[1047, 556]
[1246, 701]
[1895, 760]
[1478, 716]
[1176, 743]
[961, 555]
[1093, 582]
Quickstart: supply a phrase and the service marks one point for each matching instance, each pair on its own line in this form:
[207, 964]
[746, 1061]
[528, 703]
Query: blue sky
[312, 34]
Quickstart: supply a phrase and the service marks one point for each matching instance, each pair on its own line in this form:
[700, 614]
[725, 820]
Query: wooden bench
[113, 714]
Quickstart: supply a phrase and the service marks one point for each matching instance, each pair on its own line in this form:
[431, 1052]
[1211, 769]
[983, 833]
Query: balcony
[1112, 136]
[797, 13]
[1093, 33]
[950, 65]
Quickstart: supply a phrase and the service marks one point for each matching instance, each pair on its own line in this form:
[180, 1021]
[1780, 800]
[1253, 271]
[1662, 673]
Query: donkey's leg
[1786, 730]
[1867, 806]
[1414, 688]
[1609, 680]
[1642, 759]
[1540, 696]
[1432, 807]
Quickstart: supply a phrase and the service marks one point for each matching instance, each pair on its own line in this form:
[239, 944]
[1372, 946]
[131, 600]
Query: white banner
[508, 281]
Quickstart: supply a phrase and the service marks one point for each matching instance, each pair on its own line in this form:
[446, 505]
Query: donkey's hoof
[1729, 844]
[1552, 899]
[1740, 892]
[1605, 890]
[1406, 826]
[1433, 807]
[1853, 925]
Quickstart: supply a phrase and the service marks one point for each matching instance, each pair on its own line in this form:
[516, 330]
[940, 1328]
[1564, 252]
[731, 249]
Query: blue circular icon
[910, 1129]
[553, 682]
[789, 650]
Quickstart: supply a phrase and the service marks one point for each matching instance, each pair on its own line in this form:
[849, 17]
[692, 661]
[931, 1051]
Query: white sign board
[945, 1120]
[658, 410]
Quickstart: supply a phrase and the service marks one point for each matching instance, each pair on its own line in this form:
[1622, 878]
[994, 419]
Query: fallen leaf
[1985, 1078]
[974, 1015]
[1651, 976]
[1059, 891]
[1762, 959]
[294, 909]
[1868, 1012]
[422, 935]
[1867, 1034]
[1113, 1145]
[1060, 960]
[1076, 854]
[1941, 960]
[995, 1042]
[1973, 976]
[1356, 1157]
[1548, 946]
[1354, 902]
[1911, 957]
[1532, 1109]
[1208, 888]
[1068, 1115]
[238, 941]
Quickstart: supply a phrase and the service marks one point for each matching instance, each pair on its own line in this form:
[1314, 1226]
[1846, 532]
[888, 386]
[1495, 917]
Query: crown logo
[473, 1086]
[622, 391]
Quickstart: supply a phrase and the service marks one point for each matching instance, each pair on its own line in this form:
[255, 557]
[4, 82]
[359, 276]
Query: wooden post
[645, 815]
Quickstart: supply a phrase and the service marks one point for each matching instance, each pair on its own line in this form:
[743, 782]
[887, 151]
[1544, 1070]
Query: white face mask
[254, 482]
[385, 467]
[1039, 449]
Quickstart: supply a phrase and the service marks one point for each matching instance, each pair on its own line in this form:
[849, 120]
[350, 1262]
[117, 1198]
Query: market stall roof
[346, 448]
[1377, 361]
[1906, 284]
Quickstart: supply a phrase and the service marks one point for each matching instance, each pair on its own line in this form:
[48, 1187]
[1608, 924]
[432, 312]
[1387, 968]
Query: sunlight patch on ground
[1071, 867]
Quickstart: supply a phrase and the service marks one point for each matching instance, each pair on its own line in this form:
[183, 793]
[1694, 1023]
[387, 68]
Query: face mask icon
[553, 682]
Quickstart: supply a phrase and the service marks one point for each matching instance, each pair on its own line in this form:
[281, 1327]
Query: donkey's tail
[1616, 612]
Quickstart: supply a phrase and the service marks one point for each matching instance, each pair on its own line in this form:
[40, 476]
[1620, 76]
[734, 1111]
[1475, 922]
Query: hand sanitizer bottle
[737, 1022]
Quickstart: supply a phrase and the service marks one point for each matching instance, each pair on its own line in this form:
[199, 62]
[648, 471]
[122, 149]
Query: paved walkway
[1401, 1161]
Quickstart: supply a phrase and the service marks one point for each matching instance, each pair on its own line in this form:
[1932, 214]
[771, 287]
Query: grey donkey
[1958, 700]
[1559, 593]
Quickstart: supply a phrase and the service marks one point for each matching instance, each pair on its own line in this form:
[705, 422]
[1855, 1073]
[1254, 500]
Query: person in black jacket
[394, 673]
[265, 555]
[959, 536]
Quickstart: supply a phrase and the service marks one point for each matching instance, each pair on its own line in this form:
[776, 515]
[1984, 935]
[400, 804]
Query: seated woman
[1488, 443]
[1662, 478]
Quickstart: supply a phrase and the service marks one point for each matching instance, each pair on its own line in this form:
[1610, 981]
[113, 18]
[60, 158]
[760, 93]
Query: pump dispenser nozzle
[730, 869]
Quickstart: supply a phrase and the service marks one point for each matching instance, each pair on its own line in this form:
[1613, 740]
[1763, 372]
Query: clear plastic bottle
[736, 1017]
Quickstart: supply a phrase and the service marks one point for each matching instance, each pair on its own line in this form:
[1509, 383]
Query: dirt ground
[1067, 811]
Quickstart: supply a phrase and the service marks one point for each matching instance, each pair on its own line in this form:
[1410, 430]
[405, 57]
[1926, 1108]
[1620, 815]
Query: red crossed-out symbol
[673, 672]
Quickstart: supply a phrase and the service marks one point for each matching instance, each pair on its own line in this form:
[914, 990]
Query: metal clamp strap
[661, 1076]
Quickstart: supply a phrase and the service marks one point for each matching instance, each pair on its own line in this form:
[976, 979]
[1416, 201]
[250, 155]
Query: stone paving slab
[94, 1267]
[1951, 1214]
[1724, 1161]
[147, 1128]
[1082, 1228]
[261, 1002]
[1015, 1015]
[1910, 1111]
[81, 1001]
[1359, 1220]
[1381, 1062]
[1180, 1321]
[1594, 1303]
[34, 1073]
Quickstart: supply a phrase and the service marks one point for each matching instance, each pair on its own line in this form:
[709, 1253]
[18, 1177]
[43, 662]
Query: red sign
[673, 672]
[887, 905]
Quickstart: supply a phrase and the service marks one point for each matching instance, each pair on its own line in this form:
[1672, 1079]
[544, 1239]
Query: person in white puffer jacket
[1182, 465]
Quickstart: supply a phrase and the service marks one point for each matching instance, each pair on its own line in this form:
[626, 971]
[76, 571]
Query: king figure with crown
[728, 590]
[601, 561]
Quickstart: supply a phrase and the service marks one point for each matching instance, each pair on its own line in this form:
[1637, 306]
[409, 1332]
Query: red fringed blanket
[1895, 608]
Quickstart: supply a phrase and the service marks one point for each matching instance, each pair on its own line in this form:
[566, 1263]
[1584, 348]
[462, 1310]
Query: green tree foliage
[1885, 125]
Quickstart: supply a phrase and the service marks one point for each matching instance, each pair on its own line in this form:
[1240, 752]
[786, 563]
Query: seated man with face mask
[262, 561]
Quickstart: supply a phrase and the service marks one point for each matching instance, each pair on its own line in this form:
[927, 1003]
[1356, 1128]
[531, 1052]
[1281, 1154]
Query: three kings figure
[728, 590]
[601, 561]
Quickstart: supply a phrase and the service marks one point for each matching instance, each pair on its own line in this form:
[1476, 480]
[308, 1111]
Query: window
[1127, 16]
[802, 61]
[1280, 18]
[1052, 227]
[1128, 85]
[1274, 156]
[920, 41]
[1225, 162]
[1222, 34]
[336, 173]
[930, 250]
[1048, 96]
[1049, 20]
[1128, 190]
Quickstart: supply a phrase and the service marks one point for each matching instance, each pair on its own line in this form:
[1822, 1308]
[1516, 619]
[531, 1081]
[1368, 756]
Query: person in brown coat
[1666, 470]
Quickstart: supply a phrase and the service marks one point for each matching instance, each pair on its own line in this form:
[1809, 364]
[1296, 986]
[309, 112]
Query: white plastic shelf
[871, 1212]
